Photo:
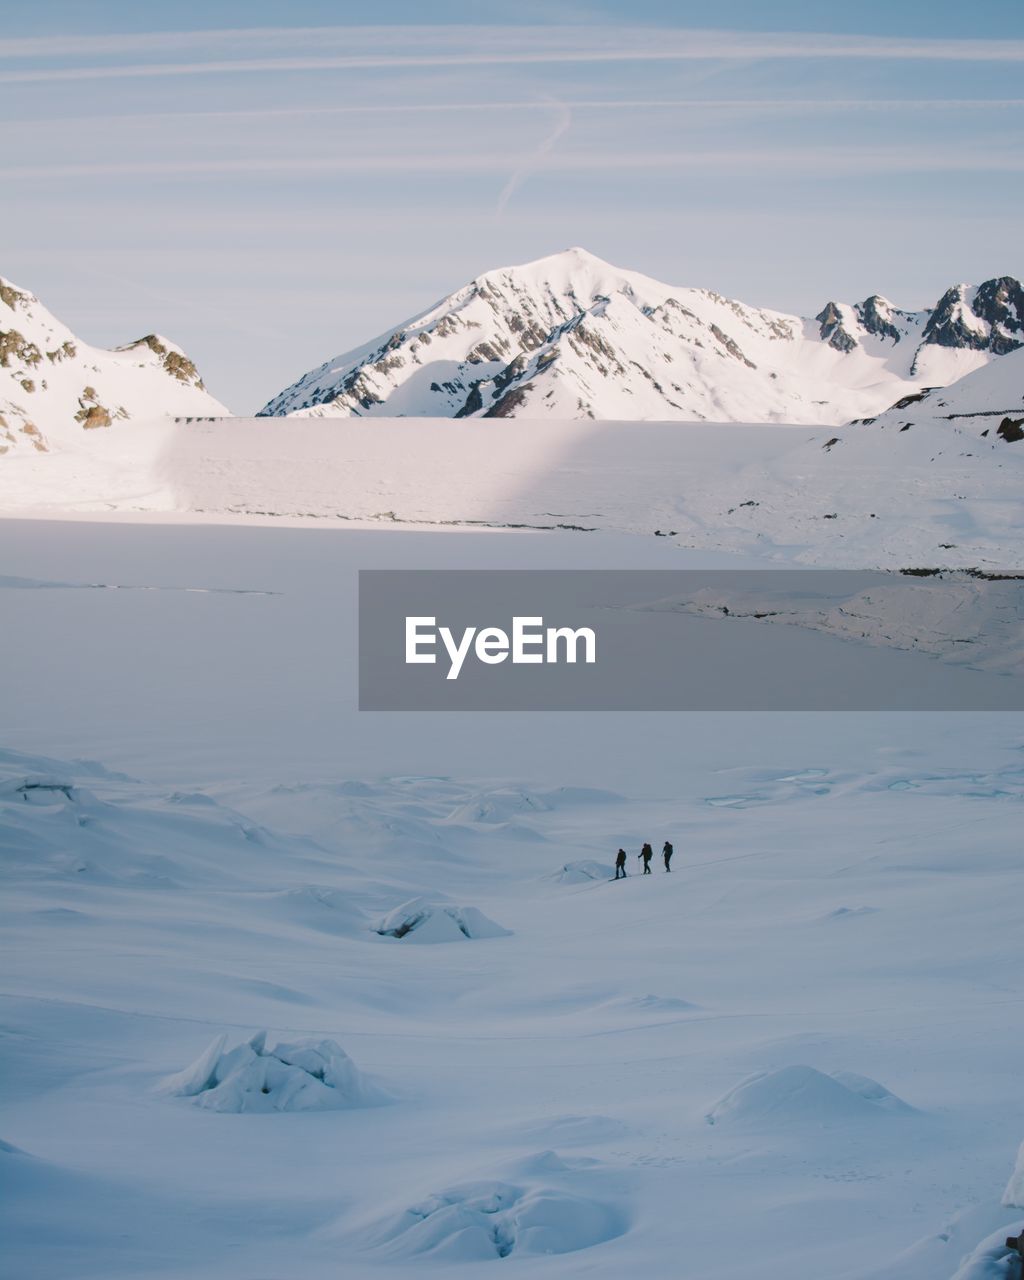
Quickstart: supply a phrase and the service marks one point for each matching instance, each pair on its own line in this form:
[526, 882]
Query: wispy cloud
[758, 106]
[374, 48]
[544, 148]
[848, 160]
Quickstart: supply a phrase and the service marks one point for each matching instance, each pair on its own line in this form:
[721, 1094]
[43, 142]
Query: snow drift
[1013, 1196]
[484, 1221]
[801, 1094]
[583, 870]
[991, 1260]
[420, 920]
[309, 1075]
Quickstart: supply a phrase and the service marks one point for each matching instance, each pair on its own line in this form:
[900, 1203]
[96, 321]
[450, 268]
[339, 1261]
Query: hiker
[667, 855]
[620, 865]
[647, 853]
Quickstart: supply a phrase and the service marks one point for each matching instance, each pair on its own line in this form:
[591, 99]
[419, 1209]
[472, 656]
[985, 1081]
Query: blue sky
[269, 185]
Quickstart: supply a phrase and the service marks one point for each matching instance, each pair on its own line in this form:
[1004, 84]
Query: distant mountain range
[566, 337]
[53, 386]
[570, 336]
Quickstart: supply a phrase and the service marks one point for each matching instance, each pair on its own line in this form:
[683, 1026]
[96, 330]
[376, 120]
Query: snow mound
[481, 1221]
[585, 869]
[39, 789]
[420, 920]
[52, 826]
[316, 907]
[546, 1163]
[309, 1075]
[801, 1094]
[499, 806]
[991, 1259]
[1013, 1196]
[644, 1005]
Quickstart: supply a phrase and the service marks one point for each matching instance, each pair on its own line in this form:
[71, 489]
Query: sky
[271, 185]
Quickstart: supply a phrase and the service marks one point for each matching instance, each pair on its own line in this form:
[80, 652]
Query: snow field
[937, 495]
[840, 929]
[547, 1090]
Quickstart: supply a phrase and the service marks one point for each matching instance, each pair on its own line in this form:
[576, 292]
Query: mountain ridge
[571, 336]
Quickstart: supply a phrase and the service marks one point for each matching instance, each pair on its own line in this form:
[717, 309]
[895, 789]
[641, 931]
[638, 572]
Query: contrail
[561, 126]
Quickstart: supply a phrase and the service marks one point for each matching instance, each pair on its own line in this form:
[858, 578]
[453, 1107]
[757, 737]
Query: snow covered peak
[572, 336]
[567, 263]
[986, 317]
[565, 266]
[566, 336]
[877, 315]
[53, 386]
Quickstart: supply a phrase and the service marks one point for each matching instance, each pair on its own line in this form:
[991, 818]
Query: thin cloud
[532, 162]
[433, 47]
[779, 106]
[810, 159]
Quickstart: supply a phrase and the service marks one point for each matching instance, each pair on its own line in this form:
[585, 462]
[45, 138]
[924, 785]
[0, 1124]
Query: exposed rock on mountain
[877, 314]
[53, 387]
[989, 317]
[832, 330]
[570, 336]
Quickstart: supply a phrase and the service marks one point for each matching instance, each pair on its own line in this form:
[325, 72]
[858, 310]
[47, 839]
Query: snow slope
[980, 401]
[55, 390]
[570, 336]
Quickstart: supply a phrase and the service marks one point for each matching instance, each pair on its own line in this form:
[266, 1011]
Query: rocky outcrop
[832, 329]
[1000, 303]
[989, 317]
[1011, 430]
[16, 349]
[175, 362]
[90, 412]
[876, 316]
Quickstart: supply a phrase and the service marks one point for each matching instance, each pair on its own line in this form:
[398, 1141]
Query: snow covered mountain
[53, 386]
[991, 400]
[570, 336]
